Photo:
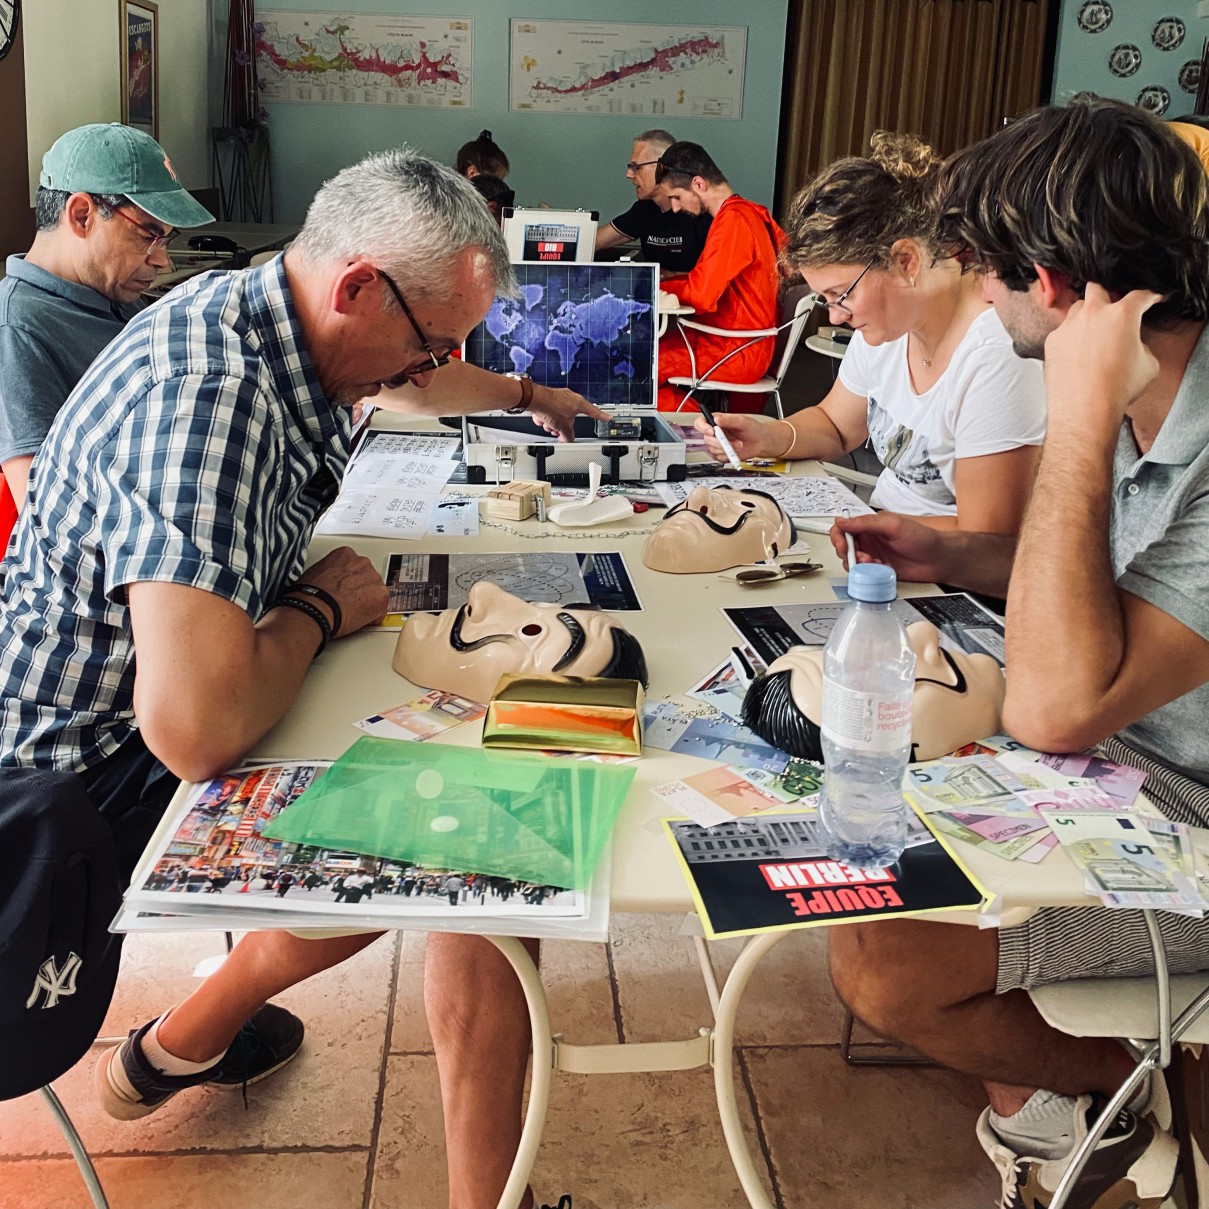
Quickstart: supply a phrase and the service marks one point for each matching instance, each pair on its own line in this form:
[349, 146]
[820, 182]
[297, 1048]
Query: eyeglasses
[838, 304]
[437, 362]
[155, 239]
[753, 576]
[634, 165]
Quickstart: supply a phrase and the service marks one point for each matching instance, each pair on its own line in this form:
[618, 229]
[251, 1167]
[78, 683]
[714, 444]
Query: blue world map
[587, 327]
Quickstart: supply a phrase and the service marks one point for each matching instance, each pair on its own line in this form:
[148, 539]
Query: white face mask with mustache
[716, 528]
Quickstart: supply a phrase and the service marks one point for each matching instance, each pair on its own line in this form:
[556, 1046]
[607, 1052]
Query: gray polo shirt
[1160, 551]
[51, 331]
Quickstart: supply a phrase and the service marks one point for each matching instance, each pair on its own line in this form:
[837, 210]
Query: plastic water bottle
[868, 682]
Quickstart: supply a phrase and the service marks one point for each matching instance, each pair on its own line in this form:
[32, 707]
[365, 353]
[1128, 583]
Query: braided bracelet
[328, 599]
[313, 612]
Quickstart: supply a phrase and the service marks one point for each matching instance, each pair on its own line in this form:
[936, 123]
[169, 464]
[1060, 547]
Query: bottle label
[865, 721]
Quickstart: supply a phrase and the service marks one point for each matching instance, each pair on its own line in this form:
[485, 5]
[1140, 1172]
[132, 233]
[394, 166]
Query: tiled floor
[355, 1123]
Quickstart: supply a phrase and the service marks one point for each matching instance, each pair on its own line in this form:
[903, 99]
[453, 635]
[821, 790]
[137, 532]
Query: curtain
[950, 71]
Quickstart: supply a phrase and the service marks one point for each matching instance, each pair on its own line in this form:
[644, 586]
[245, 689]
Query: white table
[354, 679]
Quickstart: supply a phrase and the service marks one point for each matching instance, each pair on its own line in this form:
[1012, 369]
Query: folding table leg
[543, 1065]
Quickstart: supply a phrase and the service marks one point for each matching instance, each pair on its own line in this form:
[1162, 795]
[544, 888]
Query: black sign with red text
[760, 873]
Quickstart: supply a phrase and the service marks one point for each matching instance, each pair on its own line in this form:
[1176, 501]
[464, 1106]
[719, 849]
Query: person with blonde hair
[930, 378]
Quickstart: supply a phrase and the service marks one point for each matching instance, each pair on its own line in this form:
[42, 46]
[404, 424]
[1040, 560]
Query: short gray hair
[657, 140]
[411, 216]
[49, 205]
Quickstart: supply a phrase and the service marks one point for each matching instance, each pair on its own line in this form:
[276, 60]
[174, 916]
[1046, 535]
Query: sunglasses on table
[752, 577]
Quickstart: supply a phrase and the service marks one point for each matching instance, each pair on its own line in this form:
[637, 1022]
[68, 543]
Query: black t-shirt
[673, 241]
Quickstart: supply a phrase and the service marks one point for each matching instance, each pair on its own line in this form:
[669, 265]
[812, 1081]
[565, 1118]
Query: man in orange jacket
[733, 284]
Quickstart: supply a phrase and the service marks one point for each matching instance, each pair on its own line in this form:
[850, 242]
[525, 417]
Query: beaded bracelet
[313, 612]
[328, 599]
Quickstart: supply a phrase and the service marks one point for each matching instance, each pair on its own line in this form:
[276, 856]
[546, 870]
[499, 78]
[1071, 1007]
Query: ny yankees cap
[59, 889]
[112, 158]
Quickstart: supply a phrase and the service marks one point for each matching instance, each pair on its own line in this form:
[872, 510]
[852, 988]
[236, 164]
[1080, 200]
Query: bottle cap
[873, 582]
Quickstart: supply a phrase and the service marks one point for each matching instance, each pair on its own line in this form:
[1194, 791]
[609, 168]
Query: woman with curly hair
[930, 378]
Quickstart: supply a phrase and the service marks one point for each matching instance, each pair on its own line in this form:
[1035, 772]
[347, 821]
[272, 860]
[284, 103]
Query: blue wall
[1083, 58]
[565, 161]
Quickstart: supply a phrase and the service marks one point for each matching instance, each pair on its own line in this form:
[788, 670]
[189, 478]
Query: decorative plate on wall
[1124, 60]
[1190, 76]
[10, 15]
[1154, 99]
[1168, 33]
[1095, 16]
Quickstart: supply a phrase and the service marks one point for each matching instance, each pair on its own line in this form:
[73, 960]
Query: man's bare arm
[209, 683]
[609, 236]
[460, 389]
[978, 562]
[1085, 657]
[16, 474]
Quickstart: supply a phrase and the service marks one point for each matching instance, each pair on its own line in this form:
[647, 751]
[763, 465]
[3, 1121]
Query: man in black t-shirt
[672, 240]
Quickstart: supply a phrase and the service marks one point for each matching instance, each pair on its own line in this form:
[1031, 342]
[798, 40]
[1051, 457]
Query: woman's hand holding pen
[751, 436]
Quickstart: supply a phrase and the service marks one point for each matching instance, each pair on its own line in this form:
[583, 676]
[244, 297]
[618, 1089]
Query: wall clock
[10, 14]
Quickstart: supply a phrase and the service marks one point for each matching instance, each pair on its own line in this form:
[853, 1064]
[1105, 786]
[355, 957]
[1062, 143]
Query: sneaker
[1133, 1166]
[564, 1202]
[129, 1087]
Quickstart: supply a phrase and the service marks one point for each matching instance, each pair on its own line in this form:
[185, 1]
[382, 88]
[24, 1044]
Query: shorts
[1058, 944]
[131, 790]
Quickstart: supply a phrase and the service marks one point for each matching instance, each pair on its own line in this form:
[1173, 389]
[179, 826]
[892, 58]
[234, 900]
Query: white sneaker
[1133, 1166]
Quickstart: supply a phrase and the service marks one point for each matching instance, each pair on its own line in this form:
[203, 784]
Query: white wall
[72, 69]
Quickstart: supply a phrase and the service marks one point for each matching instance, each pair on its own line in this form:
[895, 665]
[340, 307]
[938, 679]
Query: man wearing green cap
[108, 203]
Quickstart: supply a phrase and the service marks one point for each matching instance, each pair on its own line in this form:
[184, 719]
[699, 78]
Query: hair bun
[486, 134]
[904, 156]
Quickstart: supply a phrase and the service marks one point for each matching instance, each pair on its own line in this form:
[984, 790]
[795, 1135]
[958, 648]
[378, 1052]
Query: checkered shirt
[198, 449]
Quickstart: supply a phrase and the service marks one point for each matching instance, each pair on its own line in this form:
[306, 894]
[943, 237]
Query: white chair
[793, 310]
[1139, 1009]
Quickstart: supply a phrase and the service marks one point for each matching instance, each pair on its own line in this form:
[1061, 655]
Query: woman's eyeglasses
[839, 303]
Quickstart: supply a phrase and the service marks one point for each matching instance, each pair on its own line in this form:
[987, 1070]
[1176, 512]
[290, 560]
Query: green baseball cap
[112, 158]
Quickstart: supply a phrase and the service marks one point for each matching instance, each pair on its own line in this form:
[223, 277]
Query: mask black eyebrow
[724, 530]
[578, 639]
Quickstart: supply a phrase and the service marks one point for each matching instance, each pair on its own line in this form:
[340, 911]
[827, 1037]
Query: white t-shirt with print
[988, 400]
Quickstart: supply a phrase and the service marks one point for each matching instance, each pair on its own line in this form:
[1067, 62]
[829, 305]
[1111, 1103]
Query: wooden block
[517, 501]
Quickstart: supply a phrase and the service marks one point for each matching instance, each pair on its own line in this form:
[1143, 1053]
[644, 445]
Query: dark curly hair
[1096, 190]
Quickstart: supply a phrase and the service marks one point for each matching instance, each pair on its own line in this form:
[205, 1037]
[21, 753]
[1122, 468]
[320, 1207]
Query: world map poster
[365, 58]
[605, 67]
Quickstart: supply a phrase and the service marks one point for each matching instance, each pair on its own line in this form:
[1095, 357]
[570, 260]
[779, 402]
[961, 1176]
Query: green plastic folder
[529, 817]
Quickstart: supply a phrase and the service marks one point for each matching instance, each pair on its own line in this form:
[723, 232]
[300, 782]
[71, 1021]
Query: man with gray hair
[177, 491]
[674, 241]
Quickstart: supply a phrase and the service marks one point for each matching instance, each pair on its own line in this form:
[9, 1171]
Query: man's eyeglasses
[155, 239]
[437, 362]
[634, 165]
[838, 304]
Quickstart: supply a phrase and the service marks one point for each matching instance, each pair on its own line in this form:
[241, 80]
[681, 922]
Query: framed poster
[140, 65]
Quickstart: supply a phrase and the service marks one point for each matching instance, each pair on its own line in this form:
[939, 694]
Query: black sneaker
[564, 1202]
[1133, 1166]
[129, 1087]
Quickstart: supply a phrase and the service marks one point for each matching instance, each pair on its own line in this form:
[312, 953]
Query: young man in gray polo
[1092, 225]
[108, 202]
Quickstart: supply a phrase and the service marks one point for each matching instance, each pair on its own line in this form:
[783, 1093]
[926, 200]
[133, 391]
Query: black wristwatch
[526, 394]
